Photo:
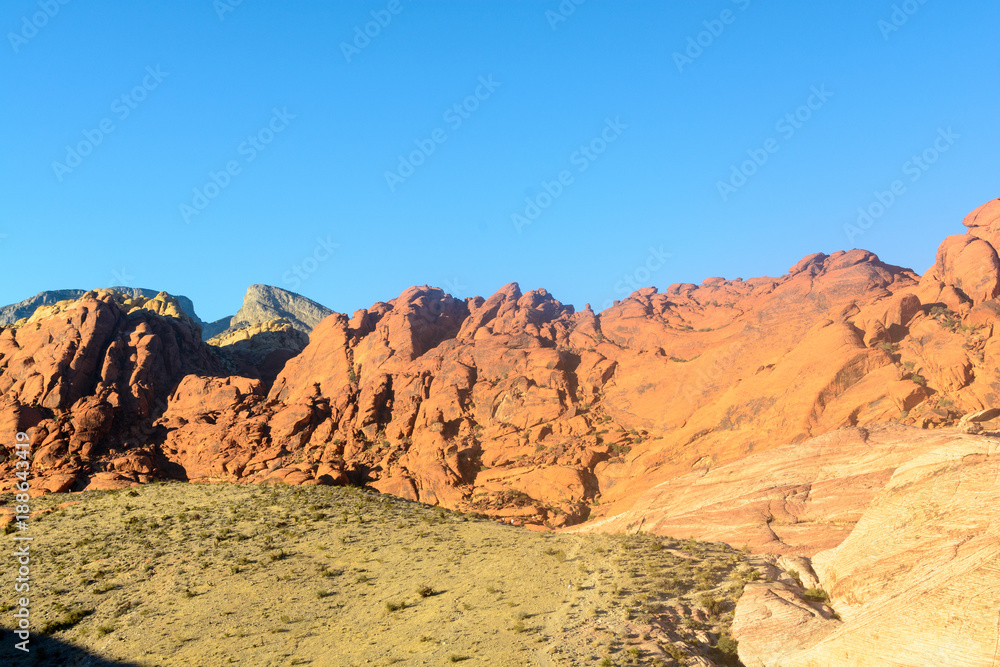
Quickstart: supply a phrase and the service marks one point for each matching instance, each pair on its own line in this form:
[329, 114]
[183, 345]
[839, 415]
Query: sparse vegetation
[712, 605]
[65, 621]
[226, 556]
[558, 554]
[727, 645]
[816, 595]
[946, 318]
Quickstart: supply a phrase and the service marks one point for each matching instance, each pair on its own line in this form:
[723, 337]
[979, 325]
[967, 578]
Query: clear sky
[199, 147]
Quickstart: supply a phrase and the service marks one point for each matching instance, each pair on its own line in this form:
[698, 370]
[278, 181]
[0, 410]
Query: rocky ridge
[519, 405]
[26, 308]
[753, 412]
[271, 327]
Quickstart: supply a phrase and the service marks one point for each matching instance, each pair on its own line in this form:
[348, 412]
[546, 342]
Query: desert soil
[215, 574]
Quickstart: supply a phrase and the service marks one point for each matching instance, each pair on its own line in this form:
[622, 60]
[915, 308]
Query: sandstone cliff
[518, 405]
[912, 575]
[85, 379]
[805, 415]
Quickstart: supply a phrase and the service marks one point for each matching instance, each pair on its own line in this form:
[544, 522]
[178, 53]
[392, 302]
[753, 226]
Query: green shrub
[712, 605]
[674, 651]
[816, 595]
[67, 620]
[727, 645]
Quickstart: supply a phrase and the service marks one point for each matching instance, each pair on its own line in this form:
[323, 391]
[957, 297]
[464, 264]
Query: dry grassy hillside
[193, 574]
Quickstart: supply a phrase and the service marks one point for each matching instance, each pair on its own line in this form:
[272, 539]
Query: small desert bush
[712, 604]
[727, 645]
[67, 620]
[816, 595]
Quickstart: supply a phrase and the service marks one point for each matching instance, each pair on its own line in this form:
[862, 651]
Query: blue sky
[609, 117]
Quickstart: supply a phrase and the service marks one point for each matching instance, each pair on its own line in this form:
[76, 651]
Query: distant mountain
[21, 309]
[263, 303]
[16, 311]
[213, 329]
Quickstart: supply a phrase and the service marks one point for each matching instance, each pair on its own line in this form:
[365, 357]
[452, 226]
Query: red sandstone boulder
[970, 265]
[984, 222]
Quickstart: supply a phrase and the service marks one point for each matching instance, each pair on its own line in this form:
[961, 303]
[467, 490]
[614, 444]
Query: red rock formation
[86, 380]
[518, 402]
[907, 522]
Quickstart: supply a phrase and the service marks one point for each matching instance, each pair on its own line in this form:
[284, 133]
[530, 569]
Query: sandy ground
[193, 574]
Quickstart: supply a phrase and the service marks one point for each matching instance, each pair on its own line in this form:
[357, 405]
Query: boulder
[969, 264]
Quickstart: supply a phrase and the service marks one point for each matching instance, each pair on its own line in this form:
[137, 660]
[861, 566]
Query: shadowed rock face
[210, 330]
[260, 350]
[86, 378]
[270, 328]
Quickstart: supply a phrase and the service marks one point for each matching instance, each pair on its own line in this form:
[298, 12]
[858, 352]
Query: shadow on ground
[48, 652]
